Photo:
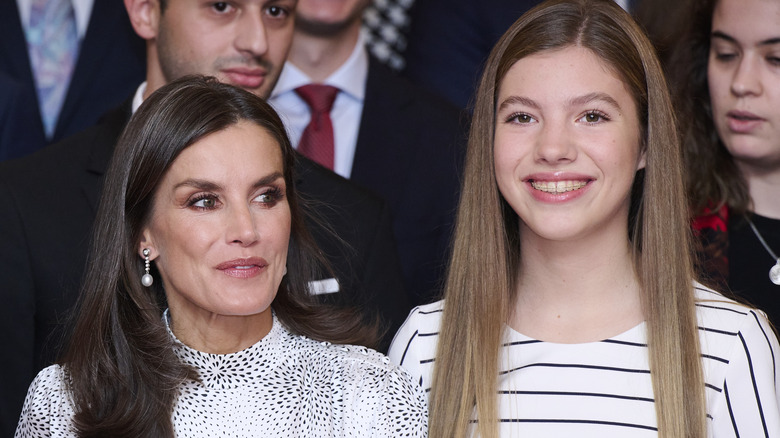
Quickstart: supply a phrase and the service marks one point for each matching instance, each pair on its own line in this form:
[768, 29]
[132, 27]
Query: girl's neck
[572, 292]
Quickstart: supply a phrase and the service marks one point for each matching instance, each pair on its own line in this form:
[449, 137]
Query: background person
[570, 307]
[728, 74]
[200, 213]
[387, 135]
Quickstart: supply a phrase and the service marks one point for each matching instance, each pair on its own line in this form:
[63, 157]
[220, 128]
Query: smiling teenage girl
[570, 307]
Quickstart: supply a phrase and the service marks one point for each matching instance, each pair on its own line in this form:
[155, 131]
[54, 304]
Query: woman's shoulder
[47, 407]
[344, 362]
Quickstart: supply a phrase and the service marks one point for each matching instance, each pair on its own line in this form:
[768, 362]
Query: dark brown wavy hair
[712, 177]
[120, 365]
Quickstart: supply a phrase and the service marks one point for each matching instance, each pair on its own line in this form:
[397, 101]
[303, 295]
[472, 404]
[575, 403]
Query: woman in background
[570, 307]
[200, 214]
[727, 72]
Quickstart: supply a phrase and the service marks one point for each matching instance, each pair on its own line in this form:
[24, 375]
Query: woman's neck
[764, 187]
[219, 334]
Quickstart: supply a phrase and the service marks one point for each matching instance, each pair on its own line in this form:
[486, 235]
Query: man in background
[380, 131]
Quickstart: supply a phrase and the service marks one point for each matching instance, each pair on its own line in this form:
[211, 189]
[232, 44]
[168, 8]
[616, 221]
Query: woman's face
[744, 80]
[220, 225]
[566, 144]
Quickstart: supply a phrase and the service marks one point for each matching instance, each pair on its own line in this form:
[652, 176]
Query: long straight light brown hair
[481, 276]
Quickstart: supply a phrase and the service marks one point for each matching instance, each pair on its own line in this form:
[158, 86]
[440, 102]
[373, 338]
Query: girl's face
[567, 145]
[744, 80]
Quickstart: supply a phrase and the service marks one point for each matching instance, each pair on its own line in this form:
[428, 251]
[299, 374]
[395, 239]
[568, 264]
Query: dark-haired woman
[199, 214]
[727, 70]
[570, 307]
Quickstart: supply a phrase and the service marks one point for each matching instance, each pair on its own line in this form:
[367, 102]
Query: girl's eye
[520, 118]
[594, 117]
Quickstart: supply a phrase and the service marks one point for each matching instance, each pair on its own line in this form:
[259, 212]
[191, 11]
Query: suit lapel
[14, 60]
[109, 129]
[14, 56]
[107, 16]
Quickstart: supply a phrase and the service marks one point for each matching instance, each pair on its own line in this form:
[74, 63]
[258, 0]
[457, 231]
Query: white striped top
[603, 389]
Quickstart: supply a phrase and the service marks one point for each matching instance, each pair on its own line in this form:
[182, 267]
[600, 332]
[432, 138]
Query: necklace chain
[761, 239]
[774, 271]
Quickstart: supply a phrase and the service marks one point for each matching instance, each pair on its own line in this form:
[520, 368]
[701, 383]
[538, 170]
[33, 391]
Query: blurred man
[393, 138]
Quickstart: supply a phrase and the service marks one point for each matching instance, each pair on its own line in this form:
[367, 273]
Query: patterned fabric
[283, 386]
[712, 244]
[604, 389]
[385, 26]
[52, 42]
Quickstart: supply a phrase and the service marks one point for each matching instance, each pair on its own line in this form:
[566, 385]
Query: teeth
[243, 267]
[558, 186]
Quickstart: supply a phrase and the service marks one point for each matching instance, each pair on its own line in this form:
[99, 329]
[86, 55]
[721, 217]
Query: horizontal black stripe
[719, 359]
[562, 365]
[630, 344]
[572, 421]
[712, 330]
[431, 312]
[428, 334]
[708, 306]
[578, 394]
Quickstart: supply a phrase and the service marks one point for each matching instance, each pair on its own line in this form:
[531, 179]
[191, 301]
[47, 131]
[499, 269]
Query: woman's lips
[742, 122]
[243, 268]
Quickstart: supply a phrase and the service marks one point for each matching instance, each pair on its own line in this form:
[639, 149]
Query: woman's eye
[269, 197]
[206, 202]
[725, 56]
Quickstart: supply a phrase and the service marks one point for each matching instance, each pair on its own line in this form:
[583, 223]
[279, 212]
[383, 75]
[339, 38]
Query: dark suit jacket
[50, 201]
[409, 150]
[450, 40]
[111, 64]
[18, 108]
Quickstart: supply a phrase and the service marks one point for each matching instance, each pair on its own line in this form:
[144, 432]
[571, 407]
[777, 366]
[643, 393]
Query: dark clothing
[450, 40]
[733, 259]
[110, 65]
[409, 150]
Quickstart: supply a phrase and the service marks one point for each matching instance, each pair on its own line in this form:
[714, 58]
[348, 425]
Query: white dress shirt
[347, 109]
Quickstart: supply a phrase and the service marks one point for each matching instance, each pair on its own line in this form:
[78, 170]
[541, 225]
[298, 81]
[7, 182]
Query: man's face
[328, 17]
[241, 42]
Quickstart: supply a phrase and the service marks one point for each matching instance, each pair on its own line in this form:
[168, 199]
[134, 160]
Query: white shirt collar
[350, 78]
[138, 98]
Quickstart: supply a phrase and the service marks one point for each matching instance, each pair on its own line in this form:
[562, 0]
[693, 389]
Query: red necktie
[317, 139]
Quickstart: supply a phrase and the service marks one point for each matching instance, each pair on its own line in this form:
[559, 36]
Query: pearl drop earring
[147, 279]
